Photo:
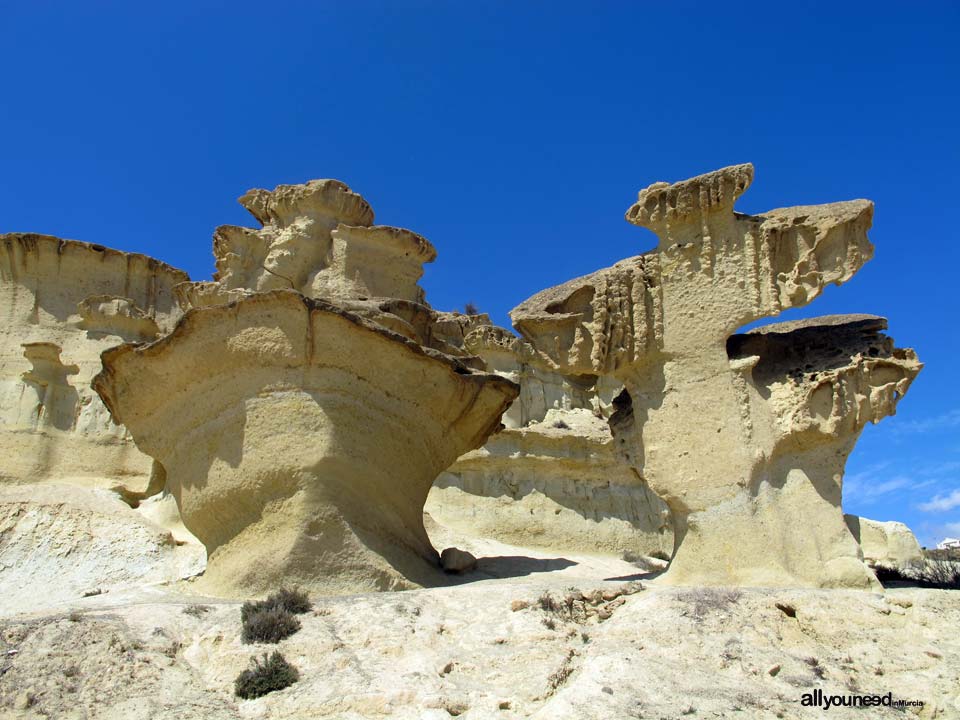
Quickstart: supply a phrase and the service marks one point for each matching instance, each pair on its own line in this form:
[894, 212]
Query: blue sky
[514, 136]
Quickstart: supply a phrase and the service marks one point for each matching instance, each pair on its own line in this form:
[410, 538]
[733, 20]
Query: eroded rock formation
[886, 544]
[551, 478]
[301, 435]
[59, 542]
[300, 409]
[745, 438]
[63, 303]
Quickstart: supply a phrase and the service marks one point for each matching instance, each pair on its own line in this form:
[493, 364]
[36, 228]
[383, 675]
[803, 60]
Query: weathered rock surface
[745, 440]
[63, 303]
[300, 440]
[455, 560]
[58, 542]
[552, 478]
[887, 544]
[318, 239]
[554, 484]
[463, 651]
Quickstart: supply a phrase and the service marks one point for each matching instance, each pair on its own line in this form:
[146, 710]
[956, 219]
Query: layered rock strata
[301, 428]
[60, 542]
[63, 303]
[319, 239]
[745, 440]
[551, 478]
[300, 440]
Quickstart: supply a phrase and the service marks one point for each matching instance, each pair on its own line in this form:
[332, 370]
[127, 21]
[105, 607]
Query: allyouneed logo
[820, 699]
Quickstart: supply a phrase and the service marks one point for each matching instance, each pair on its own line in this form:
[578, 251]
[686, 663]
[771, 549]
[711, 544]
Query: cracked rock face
[300, 440]
[745, 440]
[64, 302]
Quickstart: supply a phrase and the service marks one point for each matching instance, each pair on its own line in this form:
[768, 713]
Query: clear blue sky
[514, 135]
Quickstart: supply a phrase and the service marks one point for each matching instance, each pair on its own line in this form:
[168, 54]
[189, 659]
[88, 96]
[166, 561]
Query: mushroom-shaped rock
[300, 440]
[64, 302]
[740, 451]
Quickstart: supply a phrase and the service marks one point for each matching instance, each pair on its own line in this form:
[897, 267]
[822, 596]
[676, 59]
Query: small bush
[942, 554]
[294, 601]
[943, 574]
[269, 626]
[548, 603]
[273, 673]
[935, 574]
[471, 309]
[708, 600]
[196, 610]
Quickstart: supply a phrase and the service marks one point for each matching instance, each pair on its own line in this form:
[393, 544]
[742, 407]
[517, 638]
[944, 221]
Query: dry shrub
[266, 676]
[293, 600]
[269, 626]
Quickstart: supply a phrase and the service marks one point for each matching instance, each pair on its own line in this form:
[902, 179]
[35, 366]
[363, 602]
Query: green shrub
[269, 626]
[293, 600]
[273, 673]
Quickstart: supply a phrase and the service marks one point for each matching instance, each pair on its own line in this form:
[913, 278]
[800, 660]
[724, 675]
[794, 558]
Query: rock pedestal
[744, 439]
[300, 440]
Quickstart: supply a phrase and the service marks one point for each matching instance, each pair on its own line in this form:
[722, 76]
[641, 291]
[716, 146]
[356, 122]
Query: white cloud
[940, 468]
[863, 487]
[949, 419]
[942, 503]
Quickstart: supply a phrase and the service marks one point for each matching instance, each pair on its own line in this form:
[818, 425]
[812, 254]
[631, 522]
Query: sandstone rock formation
[300, 440]
[64, 302]
[554, 484]
[885, 544]
[318, 239]
[745, 438]
[551, 478]
[316, 426]
[59, 542]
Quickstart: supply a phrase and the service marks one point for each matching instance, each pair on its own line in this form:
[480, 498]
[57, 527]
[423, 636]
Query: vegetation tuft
[293, 600]
[937, 574]
[269, 626]
[266, 676]
[196, 610]
[273, 619]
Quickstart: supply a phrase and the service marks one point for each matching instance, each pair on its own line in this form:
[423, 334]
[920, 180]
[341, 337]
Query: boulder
[454, 560]
[885, 544]
[745, 439]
